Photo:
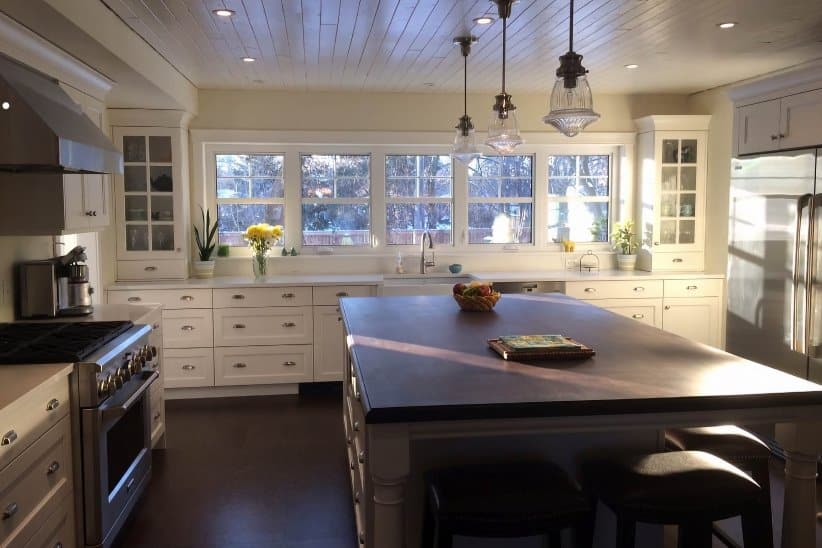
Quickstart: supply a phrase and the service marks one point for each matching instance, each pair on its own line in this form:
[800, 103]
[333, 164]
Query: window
[335, 199]
[418, 198]
[250, 190]
[578, 198]
[500, 200]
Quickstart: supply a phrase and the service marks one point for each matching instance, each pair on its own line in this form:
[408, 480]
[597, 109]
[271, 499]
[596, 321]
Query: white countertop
[18, 380]
[108, 313]
[378, 279]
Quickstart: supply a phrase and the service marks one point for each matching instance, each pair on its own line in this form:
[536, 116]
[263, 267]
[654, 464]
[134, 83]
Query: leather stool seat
[728, 441]
[513, 499]
[688, 488]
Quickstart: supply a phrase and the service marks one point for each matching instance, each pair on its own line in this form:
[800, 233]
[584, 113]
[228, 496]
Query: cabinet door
[801, 118]
[76, 219]
[695, 319]
[758, 127]
[329, 344]
[96, 200]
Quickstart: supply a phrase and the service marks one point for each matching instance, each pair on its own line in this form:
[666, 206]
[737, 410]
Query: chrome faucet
[423, 263]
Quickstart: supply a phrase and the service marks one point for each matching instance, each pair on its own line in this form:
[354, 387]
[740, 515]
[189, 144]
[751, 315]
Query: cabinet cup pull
[157, 415]
[238, 297]
[187, 328]
[691, 287]
[639, 289]
[53, 467]
[8, 438]
[288, 295]
[677, 260]
[289, 324]
[774, 137]
[187, 298]
[10, 510]
[150, 268]
[590, 290]
[189, 367]
[289, 363]
[239, 326]
[638, 316]
[361, 538]
[239, 365]
[88, 213]
[53, 404]
[361, 457]
[356, 426]
[134, 299]
[667, 307]
[357, 497]
[342, 293]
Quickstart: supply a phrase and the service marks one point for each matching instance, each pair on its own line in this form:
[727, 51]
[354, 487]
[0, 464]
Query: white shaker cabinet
[778, 124]
[697, 319]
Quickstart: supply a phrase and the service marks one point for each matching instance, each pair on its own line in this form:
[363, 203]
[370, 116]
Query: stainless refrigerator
[774, 312]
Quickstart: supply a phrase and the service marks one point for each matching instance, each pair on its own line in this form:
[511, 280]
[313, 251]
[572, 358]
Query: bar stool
[737, 446]
[691, 489]
[505, 500]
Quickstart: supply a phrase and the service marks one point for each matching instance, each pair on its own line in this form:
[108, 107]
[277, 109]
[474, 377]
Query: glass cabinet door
[148, 187]
[678, 203]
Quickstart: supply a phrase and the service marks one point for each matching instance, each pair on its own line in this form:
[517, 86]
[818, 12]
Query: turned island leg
[388, 465]
[802, 441]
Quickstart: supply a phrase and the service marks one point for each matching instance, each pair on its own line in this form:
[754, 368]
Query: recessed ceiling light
[631, 66]
[248, 59]
[5, 105]
[726, 25]
[223, 12]
[483, 20]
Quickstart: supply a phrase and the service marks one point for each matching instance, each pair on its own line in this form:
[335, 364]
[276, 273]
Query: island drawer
[263, 365]
[263, 326]
[171, 299]
[27, 418]
[58, 529]
[330, 294]
[188, 367]
[187, 329]
[40, 476]
[700, 287]
[256, 297]
[616, 289]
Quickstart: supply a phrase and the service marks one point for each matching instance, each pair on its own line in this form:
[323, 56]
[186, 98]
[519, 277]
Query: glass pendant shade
[503, 127]
[465, 146]
[571, 108]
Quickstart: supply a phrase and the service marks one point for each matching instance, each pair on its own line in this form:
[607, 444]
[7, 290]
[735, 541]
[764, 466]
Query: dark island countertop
[422, 359]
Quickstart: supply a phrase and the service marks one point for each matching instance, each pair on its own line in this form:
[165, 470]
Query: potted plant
[206, 242]
[622, 238]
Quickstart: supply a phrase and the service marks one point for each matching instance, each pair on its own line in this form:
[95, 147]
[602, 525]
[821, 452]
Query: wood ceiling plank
[269, 69]
[366, 14]
[346, 22]
[384, 40]
[292, 11]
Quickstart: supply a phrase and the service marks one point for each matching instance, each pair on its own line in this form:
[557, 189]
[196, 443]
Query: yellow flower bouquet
[261, 238]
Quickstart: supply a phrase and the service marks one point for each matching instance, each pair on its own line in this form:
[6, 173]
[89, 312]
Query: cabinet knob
[189, 367]
[667, 307]
[10, 510]
[288, 295]
[187, 328]
[638, 316]
[53, 404]
[134, 299]
[656, 243]
[93, 213]
[157, 415]
[239, 326]
[238, 297]
[239, 365]
[676, 260]
[150, 268]
[691, 287]
[8, 438]
[774, 137]
[88, 213]
[289, 324]
[187, 298]
[361, 457]
[639, 289]
[782, 135]
[356, 426]
[53, 467]
[289, 363]
[590, 290]
[342, 294]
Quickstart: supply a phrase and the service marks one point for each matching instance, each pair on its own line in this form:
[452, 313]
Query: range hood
[43, 130]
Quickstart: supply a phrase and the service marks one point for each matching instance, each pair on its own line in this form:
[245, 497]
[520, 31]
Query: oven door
[116, 441]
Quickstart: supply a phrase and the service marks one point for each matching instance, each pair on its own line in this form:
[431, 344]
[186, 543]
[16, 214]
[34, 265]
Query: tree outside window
[418, 198]
[579, 197]
[500, 200]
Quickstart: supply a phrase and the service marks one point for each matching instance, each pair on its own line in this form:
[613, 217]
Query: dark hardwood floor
[264, 472]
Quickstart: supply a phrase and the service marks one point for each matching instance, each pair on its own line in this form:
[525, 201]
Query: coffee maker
[55, 287]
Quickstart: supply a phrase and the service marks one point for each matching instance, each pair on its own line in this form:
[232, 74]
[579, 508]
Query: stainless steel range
[114, 367]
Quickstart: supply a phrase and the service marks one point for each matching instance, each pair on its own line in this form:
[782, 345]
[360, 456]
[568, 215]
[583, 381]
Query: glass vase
[259, 263]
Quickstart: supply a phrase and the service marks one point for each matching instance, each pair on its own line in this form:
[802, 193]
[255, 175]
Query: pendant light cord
[571, 30]
[504, 24]
[465, 86]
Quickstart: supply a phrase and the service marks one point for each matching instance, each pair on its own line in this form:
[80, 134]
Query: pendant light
[572, 107]
[503, 129]
[465, 144]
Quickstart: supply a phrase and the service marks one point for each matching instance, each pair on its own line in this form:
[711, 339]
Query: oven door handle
[122, 409]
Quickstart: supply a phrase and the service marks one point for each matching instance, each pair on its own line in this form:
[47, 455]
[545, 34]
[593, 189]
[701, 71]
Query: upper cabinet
[778, 124]
[672, 156]
[152, 203]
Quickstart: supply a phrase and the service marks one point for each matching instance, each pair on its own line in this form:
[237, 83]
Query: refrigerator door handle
[798, 339]
[810, 279]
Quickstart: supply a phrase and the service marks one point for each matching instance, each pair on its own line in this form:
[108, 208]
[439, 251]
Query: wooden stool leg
[695, 535]
[626, 533]
[757, 531]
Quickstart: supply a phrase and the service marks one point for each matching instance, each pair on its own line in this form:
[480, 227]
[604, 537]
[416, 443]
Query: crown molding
[778, 84]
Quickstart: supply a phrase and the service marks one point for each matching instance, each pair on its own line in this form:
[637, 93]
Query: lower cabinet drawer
[263, 365]
[672, 261]
[39, 478]
[58, 529]
[171, 299]
[614, 289]
[167, 269]
[329, 295]
[263, 326]
[188, 367]
[187, 328]
[648, 311]
[701, 287]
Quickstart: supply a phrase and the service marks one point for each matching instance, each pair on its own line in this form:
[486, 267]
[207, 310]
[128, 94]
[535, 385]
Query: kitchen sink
[427, 280]
[430, 284]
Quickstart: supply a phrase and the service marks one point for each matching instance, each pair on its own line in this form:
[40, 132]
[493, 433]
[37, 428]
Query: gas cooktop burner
[59, 342]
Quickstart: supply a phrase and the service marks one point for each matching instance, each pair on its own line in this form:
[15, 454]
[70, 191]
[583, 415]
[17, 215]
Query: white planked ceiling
[406, 45]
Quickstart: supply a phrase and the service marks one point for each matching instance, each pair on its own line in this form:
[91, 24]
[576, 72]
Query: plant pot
[626, 262]
[203, 269]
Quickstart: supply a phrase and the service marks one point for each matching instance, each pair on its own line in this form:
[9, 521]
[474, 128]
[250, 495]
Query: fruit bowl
[477, 303]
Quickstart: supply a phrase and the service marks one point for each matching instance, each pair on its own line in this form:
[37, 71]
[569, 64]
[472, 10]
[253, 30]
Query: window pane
[405, 223]
[499, 223]
[265, 165]
[335, 176]
[401, 187]
[233, 219]
[352, 187]
[596, 166]
[562, 166]
[336, 224]
[578, 221]
[236, 187]
[495, 177]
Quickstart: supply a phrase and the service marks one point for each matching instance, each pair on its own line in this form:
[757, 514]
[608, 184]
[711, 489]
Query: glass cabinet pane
[667, 232]
[136, 208]
[134, 149]
[687, 178]
[668, 203]
[687, 205]
[162, 208]
[162, 237]
[669, 176]
[161, 180]
[159, 149]
[137, 238]
[688, 151]
[134, 178]
[670, 151]
[686, 232]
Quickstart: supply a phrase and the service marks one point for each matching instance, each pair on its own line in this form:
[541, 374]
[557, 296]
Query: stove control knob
[153, 351]
[138, 364]
[125, 373]
[110, 386]
[117, 379]
[102, 387]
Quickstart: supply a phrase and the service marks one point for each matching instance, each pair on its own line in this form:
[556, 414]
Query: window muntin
[579, 197]
[250, 189]
[500, 199]
[336, 205]
[418, 198]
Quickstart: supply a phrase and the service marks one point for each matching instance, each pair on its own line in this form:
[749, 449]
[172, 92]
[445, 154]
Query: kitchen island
[423, 389]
